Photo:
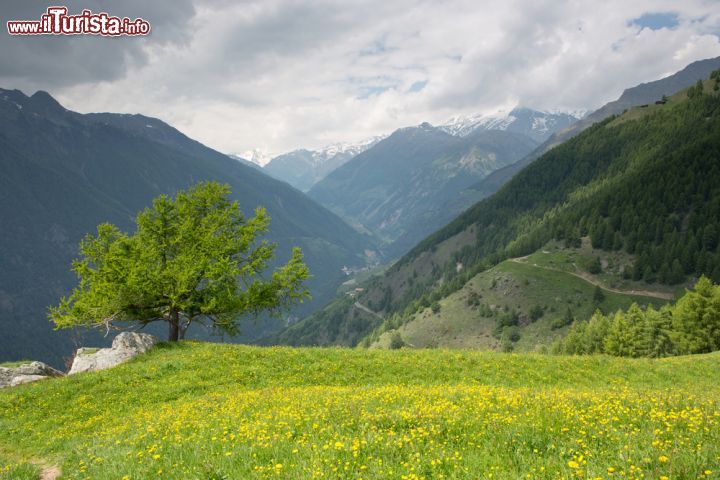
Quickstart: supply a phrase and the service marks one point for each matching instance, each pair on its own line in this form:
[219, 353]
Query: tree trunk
[174, 322]
[184, 328]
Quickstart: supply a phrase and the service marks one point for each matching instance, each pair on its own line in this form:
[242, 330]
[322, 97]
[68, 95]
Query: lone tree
[193, 258]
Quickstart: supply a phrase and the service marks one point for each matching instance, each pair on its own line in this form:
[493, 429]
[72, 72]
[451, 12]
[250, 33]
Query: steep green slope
[522, 304]
[64, 173]
[225, 411]
[648, 184]
[407, 185]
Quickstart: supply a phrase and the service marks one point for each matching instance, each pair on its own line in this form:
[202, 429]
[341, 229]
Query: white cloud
[279, 75]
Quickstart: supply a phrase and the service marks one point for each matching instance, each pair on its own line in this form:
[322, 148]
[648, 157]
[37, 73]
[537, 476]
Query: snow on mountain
[350, 149]
[538, 125]
[462, 125]
[256, 156]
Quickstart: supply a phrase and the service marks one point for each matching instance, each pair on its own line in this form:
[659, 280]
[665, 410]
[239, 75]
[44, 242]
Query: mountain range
[408, 184]
[642, 185]
[537, 125]
[403, 186]
[304, 168]
[64, 173]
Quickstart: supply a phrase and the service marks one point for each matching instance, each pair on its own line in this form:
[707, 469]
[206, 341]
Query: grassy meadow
[207, 411]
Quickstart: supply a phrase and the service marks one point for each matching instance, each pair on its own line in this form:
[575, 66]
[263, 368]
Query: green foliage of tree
[565, 320]
[396, 341]
[623, 336]
[691, 325]
[696, 91]
[696, 319]
[536, 313]
[193, 258]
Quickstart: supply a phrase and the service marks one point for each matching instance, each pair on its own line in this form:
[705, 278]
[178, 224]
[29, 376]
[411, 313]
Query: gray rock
[20, 379]
[124, 347]
[29, 372]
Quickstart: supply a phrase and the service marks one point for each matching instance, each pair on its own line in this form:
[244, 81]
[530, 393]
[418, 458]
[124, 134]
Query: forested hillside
[646, 183]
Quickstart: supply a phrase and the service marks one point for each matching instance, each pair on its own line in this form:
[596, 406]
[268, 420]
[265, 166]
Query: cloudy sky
[280, 75]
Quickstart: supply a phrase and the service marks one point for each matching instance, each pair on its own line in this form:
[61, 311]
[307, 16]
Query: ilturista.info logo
[56, 21]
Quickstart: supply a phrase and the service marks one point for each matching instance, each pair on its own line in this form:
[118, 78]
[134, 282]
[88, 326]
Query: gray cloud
[52, 62]
[282, 74]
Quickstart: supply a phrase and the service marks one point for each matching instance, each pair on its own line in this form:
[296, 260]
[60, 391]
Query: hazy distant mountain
[304, 168]
[409, 184]
[63, 173]
[533, 123]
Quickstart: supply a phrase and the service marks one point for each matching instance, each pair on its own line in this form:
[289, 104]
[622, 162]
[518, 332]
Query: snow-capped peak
[578, 113]
[462, 125]
[534, 123]
[256, 156]
[350, 148]
[345, 149]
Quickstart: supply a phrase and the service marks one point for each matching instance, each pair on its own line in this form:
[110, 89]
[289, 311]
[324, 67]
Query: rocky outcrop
[29, 372]
[125, 346]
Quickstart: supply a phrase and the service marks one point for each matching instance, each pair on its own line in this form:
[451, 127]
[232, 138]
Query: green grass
[16, 469]
[226, 411]
[520, 286]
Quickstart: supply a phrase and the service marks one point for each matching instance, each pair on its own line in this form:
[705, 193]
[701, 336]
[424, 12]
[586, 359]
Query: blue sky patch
[657, 20]
[366, 92]
[417, 86]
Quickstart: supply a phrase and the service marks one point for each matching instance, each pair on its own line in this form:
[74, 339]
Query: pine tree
[620, 340]
[696, 319]
[677, 274]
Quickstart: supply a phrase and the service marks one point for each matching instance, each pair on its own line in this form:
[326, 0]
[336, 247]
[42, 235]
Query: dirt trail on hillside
[589, 278]
[367, 310]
